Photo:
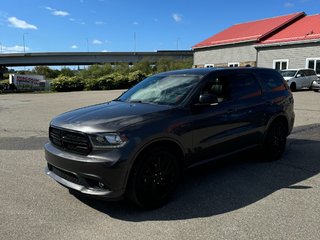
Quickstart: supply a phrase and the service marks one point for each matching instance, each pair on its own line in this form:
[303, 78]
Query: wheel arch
[169, 143]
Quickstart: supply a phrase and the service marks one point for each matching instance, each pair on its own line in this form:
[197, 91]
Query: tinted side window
[243, 86]
[303, 73]
[310, 73]
[217, 86]
[273, 81]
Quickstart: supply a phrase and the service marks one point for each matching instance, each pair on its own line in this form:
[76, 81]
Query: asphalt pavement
[241, 198]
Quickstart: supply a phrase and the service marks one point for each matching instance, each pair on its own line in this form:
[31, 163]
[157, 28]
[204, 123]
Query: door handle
[232, 110]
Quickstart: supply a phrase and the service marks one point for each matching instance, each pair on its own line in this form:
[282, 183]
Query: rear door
[234, 122]
[246, 92]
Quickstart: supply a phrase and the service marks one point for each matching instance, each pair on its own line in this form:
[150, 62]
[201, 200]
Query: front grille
[74, 142]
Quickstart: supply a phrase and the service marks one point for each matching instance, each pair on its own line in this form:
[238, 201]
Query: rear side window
[243, 86]
[310, 73]
[273, 82]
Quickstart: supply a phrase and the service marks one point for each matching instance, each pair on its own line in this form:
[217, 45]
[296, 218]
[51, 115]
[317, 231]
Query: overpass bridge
[86, 58]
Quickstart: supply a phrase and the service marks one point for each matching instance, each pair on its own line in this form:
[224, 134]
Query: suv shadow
[230, 185]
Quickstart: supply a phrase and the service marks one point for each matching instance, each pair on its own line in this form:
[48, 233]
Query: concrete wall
[296, 54]
[222, 55]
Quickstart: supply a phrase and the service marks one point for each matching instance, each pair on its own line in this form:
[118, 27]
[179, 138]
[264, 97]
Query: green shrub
[136, 76]
[120, 81]
[102, 83]
[67, 84]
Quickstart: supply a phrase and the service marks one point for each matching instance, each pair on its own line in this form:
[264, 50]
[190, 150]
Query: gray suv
[137, 145]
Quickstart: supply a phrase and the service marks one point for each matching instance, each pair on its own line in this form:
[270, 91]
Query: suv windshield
[164, 90]
[288, 73]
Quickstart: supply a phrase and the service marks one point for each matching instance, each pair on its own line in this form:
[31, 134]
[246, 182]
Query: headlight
[108, 140]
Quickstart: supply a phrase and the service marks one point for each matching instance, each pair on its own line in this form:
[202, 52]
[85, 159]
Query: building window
[313, 63]
[281, 64]
[233, 64]
[209, 65]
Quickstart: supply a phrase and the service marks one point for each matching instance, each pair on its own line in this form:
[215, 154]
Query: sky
[124, 26]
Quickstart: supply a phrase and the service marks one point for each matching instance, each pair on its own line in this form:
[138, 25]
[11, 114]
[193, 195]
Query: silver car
[299, 78]
[316, 85]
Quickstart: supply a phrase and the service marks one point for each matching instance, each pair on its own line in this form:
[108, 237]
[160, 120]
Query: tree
[66, 72]
[46, 71]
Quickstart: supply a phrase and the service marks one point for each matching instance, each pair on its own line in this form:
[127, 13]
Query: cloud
[96, 41]
[60, 13]
[17, 23]
[74, 46]
[56, 12]
[135, 23]
[104, 51]
[288, 5]
[177, 17]
[99, 23]
[14, 49]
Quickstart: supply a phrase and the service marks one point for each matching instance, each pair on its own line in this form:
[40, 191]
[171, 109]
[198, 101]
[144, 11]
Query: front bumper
[69, 184]
[101, 174]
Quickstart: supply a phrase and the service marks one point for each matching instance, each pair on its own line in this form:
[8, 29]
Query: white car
[299, 78]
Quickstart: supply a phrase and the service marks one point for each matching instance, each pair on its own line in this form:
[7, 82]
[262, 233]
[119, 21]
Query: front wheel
[293, 87]
[275, 141]
[154, 178]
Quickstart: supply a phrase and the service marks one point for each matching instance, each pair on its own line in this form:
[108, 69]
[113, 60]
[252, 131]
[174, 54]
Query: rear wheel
[275, 141]
[153, 178]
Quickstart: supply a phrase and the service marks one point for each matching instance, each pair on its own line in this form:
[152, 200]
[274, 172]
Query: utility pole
[135, 42]
[24, 42]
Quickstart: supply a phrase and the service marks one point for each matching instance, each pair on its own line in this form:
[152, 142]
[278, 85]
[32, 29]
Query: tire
[275, 141]
[293, 87]
[154, 178]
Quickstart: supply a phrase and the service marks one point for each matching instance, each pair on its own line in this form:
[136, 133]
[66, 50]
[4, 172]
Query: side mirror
[208, 99]
[298, 75]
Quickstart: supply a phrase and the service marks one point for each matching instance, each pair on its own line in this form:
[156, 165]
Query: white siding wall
[296, 54]
[225, 54]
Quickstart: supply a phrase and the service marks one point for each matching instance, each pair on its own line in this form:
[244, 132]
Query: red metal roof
[250, 31]
[307, 28]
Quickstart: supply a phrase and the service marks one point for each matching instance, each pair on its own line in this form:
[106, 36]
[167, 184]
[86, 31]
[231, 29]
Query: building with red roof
[290, 41]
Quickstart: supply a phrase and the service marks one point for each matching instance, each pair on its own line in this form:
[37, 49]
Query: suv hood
[287, 78]
[109, 117]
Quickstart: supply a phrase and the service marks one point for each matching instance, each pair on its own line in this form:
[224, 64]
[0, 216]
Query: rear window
[243, 86]
[273, 81]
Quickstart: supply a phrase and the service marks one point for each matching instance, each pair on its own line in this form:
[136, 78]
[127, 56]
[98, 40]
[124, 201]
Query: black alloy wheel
[154, 178]
[293, 87]
[275, 141]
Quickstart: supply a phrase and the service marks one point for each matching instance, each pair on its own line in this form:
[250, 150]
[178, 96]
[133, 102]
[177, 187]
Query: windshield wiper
[135, 101]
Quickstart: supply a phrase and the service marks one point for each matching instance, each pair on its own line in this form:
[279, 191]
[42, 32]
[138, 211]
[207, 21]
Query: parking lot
[241, 199]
